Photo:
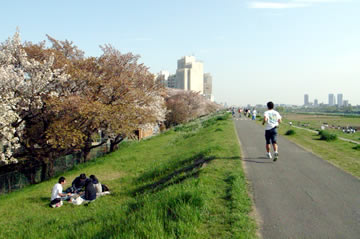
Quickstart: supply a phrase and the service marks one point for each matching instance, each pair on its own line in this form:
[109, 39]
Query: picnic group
[82, 189]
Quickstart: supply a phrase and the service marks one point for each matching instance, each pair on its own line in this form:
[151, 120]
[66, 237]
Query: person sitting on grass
[79, 183]
[96, 183]
[90, 191]
[57, 195]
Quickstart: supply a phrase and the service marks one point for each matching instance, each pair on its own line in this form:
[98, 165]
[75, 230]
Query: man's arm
[64, 194]
[264, 120]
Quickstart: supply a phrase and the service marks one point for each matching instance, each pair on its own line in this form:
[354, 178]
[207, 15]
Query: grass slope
[344, 155]
[185, 183]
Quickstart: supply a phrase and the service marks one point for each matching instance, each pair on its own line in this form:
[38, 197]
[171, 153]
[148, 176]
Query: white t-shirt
[273, 116]
[254, 113]
[56, 190]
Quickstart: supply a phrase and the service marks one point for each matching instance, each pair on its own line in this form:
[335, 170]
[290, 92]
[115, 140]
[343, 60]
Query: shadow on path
[257, 160]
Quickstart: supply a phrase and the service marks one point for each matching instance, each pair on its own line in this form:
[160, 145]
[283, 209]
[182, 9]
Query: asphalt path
[300, 195]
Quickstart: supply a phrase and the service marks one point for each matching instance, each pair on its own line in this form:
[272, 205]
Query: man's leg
[275, 146]
[268, 148]
[267, 145]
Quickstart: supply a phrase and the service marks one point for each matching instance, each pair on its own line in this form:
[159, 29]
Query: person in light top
[272, 119]
[57, 195]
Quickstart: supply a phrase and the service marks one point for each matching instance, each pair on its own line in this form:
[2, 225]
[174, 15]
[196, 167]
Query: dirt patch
[109, 176]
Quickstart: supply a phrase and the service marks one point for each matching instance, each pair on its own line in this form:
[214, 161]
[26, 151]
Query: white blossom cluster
[23, 82]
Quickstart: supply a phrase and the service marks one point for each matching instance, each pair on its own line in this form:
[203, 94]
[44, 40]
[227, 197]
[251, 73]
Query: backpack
[104, 188]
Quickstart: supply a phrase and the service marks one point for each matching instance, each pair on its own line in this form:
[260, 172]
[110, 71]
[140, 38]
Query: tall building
[331, 99]
[190, 74]
[316, 102]
[340, 100]
[208, 86]
[306, 99]
[171, 83]
[346, 103]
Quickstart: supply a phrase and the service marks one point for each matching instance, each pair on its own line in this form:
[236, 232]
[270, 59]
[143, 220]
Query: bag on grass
[104, 188]
[77, 201]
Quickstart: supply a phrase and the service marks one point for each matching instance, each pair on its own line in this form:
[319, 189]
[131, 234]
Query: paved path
[300, 195]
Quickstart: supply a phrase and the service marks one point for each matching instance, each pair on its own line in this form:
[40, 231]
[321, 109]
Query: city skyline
[333, 99]
[256, 50]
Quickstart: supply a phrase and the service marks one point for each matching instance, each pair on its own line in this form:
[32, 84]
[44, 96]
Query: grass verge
[185, 183]
[340, 153]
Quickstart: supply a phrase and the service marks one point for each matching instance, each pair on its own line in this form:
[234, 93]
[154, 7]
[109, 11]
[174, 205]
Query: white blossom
[23, 82]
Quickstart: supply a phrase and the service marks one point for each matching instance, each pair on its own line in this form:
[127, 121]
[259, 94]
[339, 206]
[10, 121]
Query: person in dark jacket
[96, 183]
[90, 191]
[79, 183]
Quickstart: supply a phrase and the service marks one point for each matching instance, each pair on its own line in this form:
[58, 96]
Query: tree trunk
[47, 169]
[112, 145]
[44, 171]
[86, 152]
[115, 142]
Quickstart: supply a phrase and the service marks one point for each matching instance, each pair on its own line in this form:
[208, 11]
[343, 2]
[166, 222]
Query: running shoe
[276, 156]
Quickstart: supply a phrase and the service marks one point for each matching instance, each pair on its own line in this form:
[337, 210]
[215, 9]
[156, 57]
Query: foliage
[54, 99]
[357, 147]
[184, 106]
[326, 135]
[290, 132]
[25, 84]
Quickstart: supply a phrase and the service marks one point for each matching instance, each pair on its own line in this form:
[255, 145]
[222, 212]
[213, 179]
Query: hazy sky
[256, 50]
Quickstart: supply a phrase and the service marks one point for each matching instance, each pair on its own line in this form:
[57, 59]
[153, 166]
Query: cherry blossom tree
[53, 100]
[24, 85]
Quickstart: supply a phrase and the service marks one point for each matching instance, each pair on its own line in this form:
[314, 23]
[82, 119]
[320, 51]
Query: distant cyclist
[272, 118]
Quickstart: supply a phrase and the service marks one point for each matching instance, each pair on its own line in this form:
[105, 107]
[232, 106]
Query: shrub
[290, 132]
[186, 128]
[223, 117]
[357, 147]
[326, 135]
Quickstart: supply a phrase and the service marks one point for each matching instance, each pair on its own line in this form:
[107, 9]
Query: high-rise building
[316, 102]
[208, 86]
[171, 81]
[190, 74]
[346, 103]
[331, 99]
[340, 100]
[306, 99]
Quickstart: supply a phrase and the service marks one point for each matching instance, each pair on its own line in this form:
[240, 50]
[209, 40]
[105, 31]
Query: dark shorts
[270, 136]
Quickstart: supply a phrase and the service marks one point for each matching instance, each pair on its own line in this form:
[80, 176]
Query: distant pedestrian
[253, 114]
[272, 118]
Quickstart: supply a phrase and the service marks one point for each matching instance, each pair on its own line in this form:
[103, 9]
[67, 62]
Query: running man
[272, 118]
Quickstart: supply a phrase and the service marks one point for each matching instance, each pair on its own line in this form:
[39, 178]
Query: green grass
[185, 183]
[313, 121]
[340, 153]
